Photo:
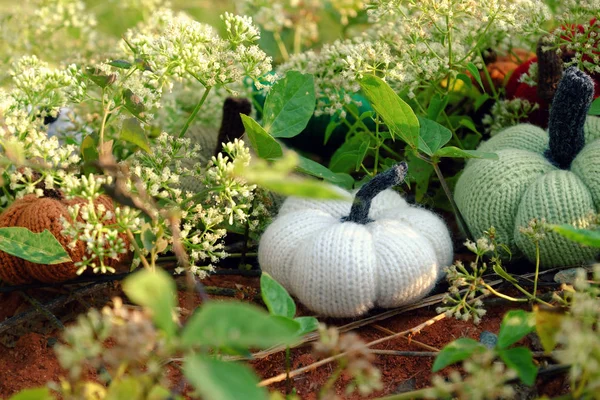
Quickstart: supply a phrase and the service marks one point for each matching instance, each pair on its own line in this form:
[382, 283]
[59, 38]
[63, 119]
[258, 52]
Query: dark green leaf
[120, 64]
[265, 146]
[313, 168]
[419, 172]
[156, 291]
[307, 324]
[331, 126]
[397, 115]
[276, 298]
[520, 359]
[289, 105]
[515, 325]
[235, 324]
[221, 380]
[583, 236]
[432, 136]
[595, 107]
[475, 72]
[133, 132]
[362, 153]
[455, 152]
[39, 248]
[436, 105]
[33, 394]
[458, 350]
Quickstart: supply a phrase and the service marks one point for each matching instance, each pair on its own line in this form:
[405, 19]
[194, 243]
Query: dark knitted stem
[231, 125]
[359, 213]
[567, 117]
[550, 69]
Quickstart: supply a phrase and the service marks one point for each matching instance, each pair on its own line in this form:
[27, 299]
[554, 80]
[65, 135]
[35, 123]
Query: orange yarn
[38, 214]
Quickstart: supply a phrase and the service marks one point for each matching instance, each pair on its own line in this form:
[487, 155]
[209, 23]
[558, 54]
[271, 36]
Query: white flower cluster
[505, 113]
[93, 224]
[579, 39]
[578, 335]
[279, 15]
[224, 199]
[175, 45]
[43, 90]
[434, 40]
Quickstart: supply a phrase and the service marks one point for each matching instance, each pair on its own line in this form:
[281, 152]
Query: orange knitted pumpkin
[40, 213]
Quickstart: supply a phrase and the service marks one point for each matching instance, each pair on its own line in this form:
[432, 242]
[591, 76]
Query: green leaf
[125, 388]
[432, 136]
[595, 107]
[362, 153]
[315, 169]
[276, 298]
[419, 172]
[455, 152]
[458, 350]
[221, 380]
[289, 105]
[502, 273]
[307, 324]
[33, 394]
[436, 105]
[99, 78]
[156, 291]
[148, 238]
[515, 325]
[583, 236]
[39, 248]
[520, 359]
[120, 64]
[475, 72]
[133, 104]
[466, 79]
[547, 326]
[397, 115]
[235, 324]
[133, 132]
[265, 146]
[89, 149]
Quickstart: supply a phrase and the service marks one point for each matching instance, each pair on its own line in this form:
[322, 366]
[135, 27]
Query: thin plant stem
[194, 113]
[281, 46]
[461, 221]
[488, 77]
[138, 250]
[537, 268]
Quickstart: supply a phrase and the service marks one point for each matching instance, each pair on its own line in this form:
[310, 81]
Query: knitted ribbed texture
[524, 184]
[38, 214]
[343, 269]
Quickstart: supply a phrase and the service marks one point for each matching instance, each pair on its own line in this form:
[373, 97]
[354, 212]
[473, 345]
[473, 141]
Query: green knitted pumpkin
[554, 175]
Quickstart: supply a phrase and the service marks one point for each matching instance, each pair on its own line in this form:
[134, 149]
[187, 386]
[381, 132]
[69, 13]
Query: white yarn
[343, 269]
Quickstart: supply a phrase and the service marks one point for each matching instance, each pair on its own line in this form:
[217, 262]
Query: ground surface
[27, 358]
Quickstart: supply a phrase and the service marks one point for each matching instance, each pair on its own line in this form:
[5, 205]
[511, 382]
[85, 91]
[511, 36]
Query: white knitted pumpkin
[341, 259]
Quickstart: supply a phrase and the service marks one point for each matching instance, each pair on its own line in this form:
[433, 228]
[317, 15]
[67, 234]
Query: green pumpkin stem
[359, 213]
[567, 117]
[550, 69]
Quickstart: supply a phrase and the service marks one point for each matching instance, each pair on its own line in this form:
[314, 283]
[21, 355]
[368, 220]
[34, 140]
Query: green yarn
[552, 195]
[524, 184]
